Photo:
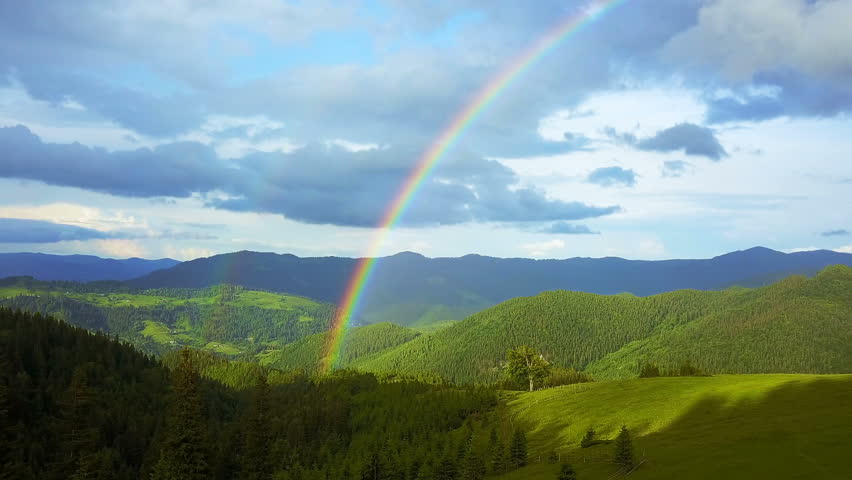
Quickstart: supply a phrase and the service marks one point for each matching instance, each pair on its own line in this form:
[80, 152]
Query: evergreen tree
[648, 370]
[566, 472]
[472, 466]
[5, 441]
[552, 457]
[518, 449]
[256, 464]
[525, 364]
[447, 469]
[372, 469]
[623, 450]
[588, 439]
[184, 450]
[499, 458]
[80, 440]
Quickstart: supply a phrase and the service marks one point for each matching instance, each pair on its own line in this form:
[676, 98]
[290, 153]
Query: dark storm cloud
[687, 137]
[170, 170]
[315, 184]
[566, 228]
[15, 230]
[612, 177]
[795, 95]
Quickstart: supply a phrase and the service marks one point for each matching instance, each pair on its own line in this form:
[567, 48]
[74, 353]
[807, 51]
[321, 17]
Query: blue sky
[666, 129]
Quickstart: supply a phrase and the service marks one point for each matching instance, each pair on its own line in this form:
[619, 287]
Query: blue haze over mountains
[408, 286]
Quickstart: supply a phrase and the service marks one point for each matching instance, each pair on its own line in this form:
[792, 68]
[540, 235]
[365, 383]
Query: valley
[738, 377]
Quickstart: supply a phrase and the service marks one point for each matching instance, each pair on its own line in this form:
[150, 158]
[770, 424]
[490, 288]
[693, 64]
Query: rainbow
[429, 159]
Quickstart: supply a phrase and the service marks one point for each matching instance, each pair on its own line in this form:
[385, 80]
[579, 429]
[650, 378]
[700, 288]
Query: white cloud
[256, 134]
[540, 249]
[189, 253]
[120, 248]
[844, 249]
[642, 112]
[800, 249]
[745, 37]
[651, 248]
[353, 146]
[79, 215]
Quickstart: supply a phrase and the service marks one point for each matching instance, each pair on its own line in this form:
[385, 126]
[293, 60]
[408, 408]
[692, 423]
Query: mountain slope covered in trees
[79, 405]
[79, 268]
[307, 353]
[411, 290]
[225, 319]
[801, 325]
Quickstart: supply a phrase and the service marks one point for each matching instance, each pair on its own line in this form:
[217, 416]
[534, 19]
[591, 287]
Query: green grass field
[726, 426]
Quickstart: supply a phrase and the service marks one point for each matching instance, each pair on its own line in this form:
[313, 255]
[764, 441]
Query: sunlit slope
[798, 325]
[727, 426]
[360, 342]
[224, 319]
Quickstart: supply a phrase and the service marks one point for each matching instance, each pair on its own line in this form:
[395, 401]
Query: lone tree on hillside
[525, 364]
[623, 450]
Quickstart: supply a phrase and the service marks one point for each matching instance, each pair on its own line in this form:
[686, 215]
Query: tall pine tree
[256, 463]
[184, 450]
[472, 466]
[518, 449]
[623, 450]
[80, 450]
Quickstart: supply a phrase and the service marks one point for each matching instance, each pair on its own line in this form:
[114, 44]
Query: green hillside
[306, 353]
[727, 426]
[798, 325]
[225, 319]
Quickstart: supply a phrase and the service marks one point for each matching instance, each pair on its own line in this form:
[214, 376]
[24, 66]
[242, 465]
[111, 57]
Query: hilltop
[799, 325]
[412, 290]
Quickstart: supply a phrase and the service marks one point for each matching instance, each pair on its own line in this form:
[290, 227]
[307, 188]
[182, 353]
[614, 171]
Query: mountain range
[412, 290]
[78, 268]
[796, 325]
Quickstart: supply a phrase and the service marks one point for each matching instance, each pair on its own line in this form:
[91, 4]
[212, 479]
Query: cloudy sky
[664, 129]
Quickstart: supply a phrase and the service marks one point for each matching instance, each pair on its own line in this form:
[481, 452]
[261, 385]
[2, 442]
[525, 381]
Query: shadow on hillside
[801, 429]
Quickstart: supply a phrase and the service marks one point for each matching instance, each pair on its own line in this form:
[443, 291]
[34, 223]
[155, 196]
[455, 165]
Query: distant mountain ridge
[412, 290]
[78, 268]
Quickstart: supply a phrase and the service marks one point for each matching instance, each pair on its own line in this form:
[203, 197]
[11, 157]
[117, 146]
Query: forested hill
[413, 290]
[798, 325]
[77, 405]
[79, 268]
[224, 319]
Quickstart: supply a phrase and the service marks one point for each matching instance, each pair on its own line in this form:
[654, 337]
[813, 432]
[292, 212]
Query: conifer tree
[499, 458]
[588, 439]
[447, 469]
[372, 469]
[80, 450]
[623, 450]
[518, 449]
[566, 472]
[5, 443]
[184, 450]
[256, 463]
[472, 467]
